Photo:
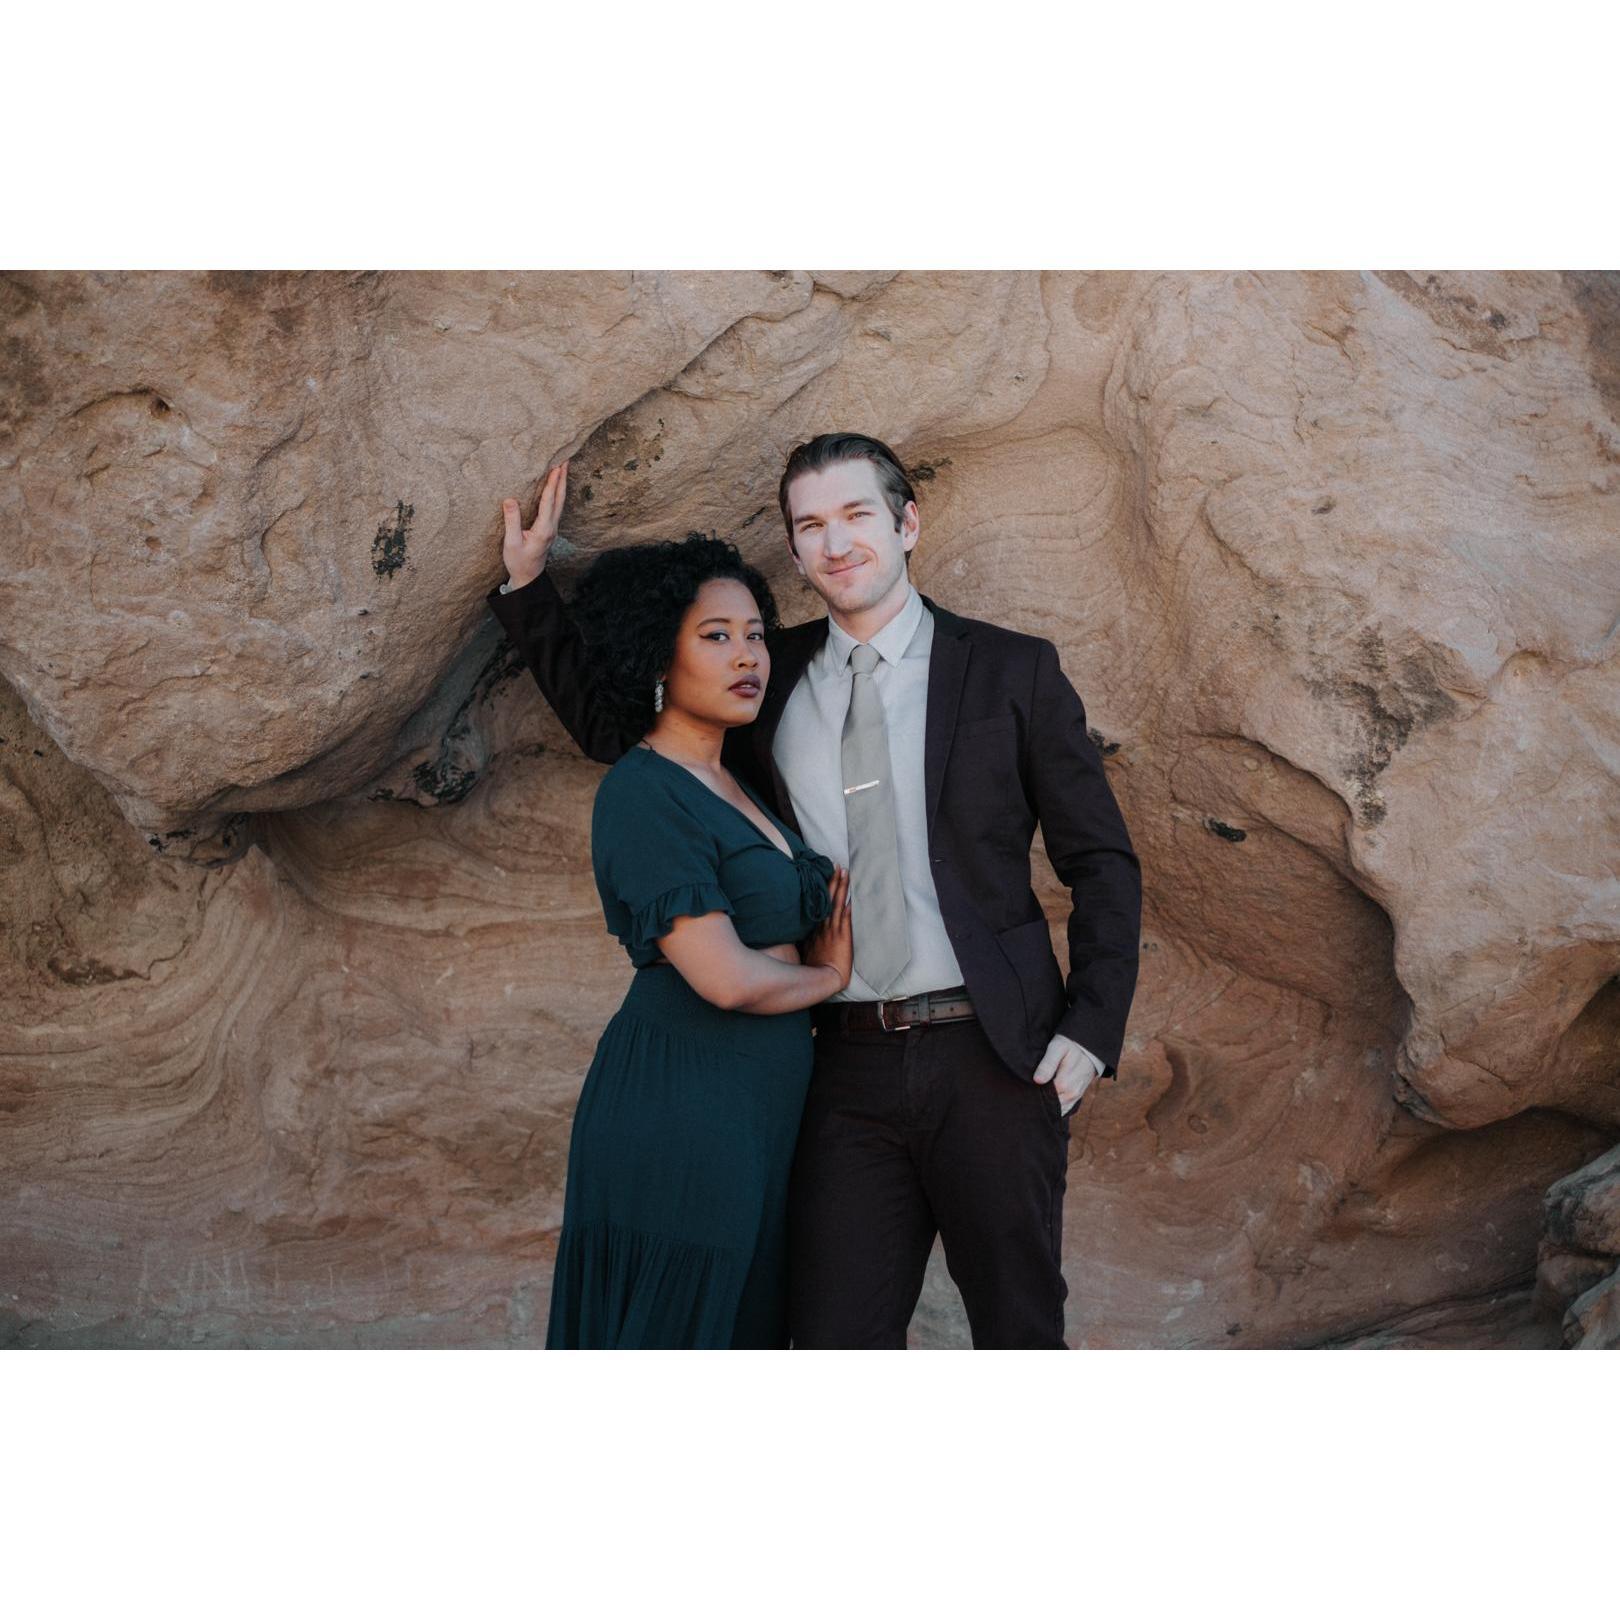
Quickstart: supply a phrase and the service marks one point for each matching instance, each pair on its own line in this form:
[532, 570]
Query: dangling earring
[658, 698]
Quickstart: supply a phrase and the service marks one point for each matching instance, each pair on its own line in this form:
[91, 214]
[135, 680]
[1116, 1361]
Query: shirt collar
[890, 643]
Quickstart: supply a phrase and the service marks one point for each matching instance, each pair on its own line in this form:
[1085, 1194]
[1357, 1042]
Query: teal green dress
[674, 1215]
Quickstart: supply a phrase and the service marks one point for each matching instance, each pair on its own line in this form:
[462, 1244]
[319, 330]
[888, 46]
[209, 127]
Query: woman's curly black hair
[629, 606]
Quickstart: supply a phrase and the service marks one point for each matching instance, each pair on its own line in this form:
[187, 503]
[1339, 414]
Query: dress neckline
[786, 854]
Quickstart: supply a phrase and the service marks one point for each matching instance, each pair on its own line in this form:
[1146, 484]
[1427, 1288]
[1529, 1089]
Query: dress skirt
[674, 1217]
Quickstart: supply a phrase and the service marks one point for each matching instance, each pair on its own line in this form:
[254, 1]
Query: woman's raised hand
[833, 943]
[524, 550]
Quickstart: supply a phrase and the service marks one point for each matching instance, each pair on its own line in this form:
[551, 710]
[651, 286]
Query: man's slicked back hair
[829, 450]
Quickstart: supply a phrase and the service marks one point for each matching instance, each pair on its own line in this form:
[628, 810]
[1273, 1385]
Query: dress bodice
[665, 845]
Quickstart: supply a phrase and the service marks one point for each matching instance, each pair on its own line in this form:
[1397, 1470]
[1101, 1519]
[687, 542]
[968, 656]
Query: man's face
[844, 537]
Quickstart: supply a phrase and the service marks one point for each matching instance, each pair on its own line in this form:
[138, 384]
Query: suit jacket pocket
[1028, 949]
[969, 732]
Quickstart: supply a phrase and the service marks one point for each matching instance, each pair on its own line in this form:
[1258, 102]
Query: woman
[673, 1219]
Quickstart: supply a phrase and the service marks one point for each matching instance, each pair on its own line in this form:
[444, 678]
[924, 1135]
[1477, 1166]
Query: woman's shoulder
[628, 780]
[638, 786]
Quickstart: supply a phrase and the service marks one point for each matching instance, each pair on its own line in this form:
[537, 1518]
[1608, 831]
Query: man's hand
[1068, 1066]
[524, 550]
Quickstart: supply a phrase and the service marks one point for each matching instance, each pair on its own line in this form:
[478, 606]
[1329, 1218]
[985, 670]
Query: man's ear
[910, 526]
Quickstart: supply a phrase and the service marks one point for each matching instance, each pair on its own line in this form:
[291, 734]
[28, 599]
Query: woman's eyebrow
[718, 620]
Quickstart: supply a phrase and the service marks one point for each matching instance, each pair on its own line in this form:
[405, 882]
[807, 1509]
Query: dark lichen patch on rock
[459, 756]
[1389, 707]
[83, 971]
[502, 664]
[925, 472]
[1233, 835]
[1597, 297]
[443, 781]
[1104, 747]
[22, 381]
[624, 444]
[1412, 1100]
[1469, 324]
[388, 549]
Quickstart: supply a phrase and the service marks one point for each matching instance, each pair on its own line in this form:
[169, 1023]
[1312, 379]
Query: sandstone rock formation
[303, 960]
[1579, 1271]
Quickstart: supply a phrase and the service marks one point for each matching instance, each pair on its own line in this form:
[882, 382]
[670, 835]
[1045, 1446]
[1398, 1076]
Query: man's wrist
[515, 584]
[1098, 1066]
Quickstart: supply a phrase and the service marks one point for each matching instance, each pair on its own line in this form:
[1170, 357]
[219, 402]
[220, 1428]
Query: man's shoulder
[992, 638]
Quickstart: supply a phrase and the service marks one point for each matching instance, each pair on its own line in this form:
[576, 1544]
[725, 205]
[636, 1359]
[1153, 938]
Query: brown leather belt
[931, 1007]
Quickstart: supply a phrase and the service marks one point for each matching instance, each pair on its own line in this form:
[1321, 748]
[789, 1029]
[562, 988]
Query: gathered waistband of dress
[664, 996]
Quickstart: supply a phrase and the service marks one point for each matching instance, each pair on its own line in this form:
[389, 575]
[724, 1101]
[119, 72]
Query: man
[921, 750]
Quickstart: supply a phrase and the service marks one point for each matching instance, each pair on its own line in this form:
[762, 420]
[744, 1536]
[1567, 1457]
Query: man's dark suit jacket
[1005, 747]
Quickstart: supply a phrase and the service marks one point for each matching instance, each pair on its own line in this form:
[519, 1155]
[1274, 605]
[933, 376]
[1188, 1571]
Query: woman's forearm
[780, 987]
[706, 952]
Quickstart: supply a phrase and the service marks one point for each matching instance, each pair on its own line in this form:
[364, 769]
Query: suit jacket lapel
[947, 668]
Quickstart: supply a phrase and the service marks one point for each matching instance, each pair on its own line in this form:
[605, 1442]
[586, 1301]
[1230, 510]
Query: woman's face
[720, 666]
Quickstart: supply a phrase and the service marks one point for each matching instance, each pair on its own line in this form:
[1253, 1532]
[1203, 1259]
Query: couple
[815, 1069]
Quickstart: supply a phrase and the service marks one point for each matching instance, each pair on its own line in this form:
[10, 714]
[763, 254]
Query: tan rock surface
[1330, 559]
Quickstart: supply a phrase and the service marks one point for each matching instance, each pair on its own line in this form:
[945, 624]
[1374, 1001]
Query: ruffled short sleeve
[651, 921]
[655, 859]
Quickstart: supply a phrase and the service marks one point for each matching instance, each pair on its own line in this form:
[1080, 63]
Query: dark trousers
[909, 1134]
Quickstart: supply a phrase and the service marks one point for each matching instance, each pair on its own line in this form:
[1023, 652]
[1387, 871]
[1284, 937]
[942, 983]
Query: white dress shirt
[808, 750]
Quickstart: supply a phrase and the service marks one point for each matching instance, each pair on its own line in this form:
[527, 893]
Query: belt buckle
[883, 1020]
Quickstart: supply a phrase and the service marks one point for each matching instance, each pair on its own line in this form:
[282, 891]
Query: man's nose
[837, 541]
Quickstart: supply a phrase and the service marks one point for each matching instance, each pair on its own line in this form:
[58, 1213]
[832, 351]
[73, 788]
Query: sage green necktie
[877, 900]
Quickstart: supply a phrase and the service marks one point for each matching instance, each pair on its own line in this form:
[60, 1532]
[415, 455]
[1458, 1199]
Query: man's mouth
[848, 568]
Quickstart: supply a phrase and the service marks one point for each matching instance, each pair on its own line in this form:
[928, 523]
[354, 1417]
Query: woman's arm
[706, 952]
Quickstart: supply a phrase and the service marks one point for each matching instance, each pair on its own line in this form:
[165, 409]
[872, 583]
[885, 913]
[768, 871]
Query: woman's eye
[715, 635]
